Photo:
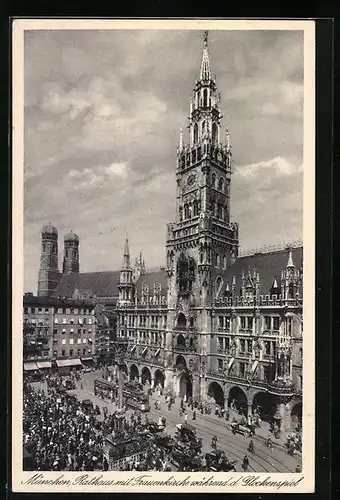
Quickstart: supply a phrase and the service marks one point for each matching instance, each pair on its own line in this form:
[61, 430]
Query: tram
[133, 395]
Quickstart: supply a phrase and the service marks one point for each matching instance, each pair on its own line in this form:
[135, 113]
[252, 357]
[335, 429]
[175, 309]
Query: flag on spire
[205, 65]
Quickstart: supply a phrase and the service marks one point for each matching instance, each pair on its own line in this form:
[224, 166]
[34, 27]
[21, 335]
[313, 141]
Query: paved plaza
[262, 460]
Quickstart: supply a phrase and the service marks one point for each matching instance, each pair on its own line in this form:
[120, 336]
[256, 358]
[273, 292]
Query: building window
[72, 321]
[84, 341]
[79, 341]
[84, 350]
[267, 322]
[71, 352]
[33, 310]
[242, 369]
[242, 345]
[267, 347]
[289, 325]
[276, 323]
[220, 343]
[79, 352]
[63, 341]
[71, 341]
[220, 364]
[64, 321]
[250, 322]
[63, 352]
[243, 322]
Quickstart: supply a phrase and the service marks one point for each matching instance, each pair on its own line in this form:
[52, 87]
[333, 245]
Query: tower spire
[205, 64]
[126, 256]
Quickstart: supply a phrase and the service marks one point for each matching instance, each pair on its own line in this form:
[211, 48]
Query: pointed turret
[290, 263]
[126, 256]
[205, 64]
[126, 285]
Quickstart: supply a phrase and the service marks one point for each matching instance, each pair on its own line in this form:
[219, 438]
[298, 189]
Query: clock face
[191, 179]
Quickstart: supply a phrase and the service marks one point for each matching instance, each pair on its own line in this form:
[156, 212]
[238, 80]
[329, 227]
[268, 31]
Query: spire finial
[205, 65]
[205, 38]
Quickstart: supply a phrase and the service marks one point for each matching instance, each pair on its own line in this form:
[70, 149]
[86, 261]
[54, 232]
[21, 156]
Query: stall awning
[68, 362]
[255, 364]
[231, 362]
[30, 366]
[157, 352]
[87, 359]
[44, 364]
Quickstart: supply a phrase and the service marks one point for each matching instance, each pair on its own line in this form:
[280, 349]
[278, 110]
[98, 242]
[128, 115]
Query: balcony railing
[273, 386]
[183, 348]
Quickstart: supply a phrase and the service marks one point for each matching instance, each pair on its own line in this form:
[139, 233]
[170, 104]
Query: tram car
[120, 452]
[133, 395]
[218, 462]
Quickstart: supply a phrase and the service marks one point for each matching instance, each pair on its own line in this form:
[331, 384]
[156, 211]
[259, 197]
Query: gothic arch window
[186, 269]
[195, 205]
[219, 211]
[195, 133]
[224, 262]
[43, 247]
[221, 184]
[204, 127]
[218, 285]
[205, 98]
[213, 180]
[291, 291]
[214, 133]
[180, 214]
[186, 211]
[181, 321]
[217, 260]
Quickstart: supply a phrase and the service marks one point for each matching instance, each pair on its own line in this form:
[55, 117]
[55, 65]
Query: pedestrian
[245, 463]
[251, 446]
[269, 444]
[186, 418]
[194, 415]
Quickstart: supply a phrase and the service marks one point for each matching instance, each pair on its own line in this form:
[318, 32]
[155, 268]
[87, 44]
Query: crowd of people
[62, 433]
[59, 433]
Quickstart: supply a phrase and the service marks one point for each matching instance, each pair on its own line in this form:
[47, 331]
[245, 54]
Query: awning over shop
[44, 364]
[30, 366]
[68, 362]
[231, 362]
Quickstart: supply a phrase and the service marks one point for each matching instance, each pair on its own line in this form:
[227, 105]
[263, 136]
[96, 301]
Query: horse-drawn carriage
[186, 434]
[217, 461]
[238, 428]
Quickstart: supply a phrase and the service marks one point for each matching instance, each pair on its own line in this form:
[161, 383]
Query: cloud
[103, 111]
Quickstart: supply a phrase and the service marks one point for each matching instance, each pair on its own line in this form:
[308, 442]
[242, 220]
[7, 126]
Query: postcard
[163, 256]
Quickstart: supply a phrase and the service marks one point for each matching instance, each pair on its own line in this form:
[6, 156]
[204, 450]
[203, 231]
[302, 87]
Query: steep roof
[151, 278]
[101, 284]
[268, 265]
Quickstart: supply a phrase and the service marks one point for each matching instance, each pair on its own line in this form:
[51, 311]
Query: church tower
[203, 241]
[48, 275]
[126, 285]
[71, 253]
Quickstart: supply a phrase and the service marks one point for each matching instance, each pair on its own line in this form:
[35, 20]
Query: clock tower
[202, 242]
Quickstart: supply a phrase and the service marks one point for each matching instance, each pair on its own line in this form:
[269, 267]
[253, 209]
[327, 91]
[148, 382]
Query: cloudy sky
[103, 111]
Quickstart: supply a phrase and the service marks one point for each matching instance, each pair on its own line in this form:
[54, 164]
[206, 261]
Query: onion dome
[49, 229]
[71, 236]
